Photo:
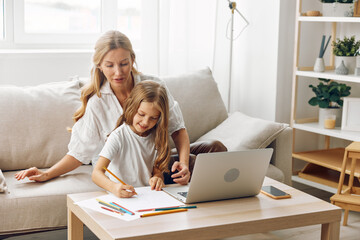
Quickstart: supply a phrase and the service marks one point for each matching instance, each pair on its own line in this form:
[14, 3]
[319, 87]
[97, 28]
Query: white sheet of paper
[145, 199]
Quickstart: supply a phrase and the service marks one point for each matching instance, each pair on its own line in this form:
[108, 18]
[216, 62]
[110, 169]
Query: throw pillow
[240, 131]
[33, 123]
[3, 187]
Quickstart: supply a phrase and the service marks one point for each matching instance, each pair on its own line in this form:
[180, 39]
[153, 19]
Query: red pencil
[111, 210]
[124, 208]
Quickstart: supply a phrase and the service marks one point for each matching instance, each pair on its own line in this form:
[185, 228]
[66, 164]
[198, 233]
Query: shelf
[322, 178]
[337, 132]
[328, 158]
[330, 74]
[329, 19]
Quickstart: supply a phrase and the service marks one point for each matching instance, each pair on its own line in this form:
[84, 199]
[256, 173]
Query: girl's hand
[156, 183]
[124, 191]
[33, 174]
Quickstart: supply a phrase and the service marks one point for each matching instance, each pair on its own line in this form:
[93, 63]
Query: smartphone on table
[274, 192]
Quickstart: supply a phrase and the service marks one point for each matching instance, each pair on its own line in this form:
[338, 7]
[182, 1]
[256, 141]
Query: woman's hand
[123, 191]
[156, 183]
[183, 176]
[33, 174]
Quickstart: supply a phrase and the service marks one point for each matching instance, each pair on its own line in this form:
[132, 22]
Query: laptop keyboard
[184, 194]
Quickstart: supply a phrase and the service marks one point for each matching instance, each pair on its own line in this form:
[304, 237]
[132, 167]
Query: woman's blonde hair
[152, 92]
[108, 41]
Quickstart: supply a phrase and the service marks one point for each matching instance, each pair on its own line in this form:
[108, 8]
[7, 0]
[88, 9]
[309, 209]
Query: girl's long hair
[108, 41]
[152, 92]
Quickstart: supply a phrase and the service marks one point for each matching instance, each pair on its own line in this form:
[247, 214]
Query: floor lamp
[232, 6]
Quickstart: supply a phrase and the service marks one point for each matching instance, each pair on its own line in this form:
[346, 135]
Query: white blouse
[90, 132]
[131, 156]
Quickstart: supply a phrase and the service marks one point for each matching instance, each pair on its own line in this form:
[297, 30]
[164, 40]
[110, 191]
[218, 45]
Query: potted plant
[328, 96]
[346, 50]
[338, 8]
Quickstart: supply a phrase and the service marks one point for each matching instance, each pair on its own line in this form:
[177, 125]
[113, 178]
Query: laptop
[224, 175]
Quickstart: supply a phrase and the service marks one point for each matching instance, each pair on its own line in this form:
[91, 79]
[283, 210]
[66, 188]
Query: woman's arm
[182, 143]
[66, 164]
[118, 189]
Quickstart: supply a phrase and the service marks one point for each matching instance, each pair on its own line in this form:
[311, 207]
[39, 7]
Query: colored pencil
[152, 209]
[171, 208]
[163, 212]
[127, 210]
[110, 206]
[115, 176]
[112, 210]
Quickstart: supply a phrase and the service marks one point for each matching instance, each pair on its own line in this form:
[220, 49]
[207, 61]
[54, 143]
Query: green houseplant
[346, 50]
[328, 96]
[346, 47]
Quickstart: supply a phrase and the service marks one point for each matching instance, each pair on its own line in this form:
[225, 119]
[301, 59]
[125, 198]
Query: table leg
[330, 231]
[75, 227]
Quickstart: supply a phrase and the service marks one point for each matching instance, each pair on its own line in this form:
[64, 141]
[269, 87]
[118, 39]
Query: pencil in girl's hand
[115, 177]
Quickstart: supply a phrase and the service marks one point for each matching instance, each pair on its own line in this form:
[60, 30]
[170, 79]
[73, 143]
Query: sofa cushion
[38, 203]
[199, 97]
[240, 131]
[33, 123]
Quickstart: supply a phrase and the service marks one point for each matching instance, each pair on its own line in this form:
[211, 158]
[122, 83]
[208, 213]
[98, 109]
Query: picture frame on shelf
[350, 114]
[357, 9]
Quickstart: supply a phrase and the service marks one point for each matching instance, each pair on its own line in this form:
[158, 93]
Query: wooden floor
[350, 232]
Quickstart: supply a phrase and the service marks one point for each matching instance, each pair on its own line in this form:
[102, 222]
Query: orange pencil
[164, 212]
[115, 176]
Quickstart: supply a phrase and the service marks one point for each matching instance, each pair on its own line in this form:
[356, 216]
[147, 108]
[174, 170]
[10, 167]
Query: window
[62, 16]
[129, 19]
[2, 19]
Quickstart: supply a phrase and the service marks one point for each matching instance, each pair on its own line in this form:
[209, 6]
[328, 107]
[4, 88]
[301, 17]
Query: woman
[113, 77]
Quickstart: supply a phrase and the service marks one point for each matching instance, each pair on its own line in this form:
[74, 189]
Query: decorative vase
[349, 62]
[338, 9]
[319, 65]
[341, 69]
[324, 113]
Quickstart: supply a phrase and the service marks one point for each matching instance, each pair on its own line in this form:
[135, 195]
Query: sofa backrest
[33, 123]
[33, 120]
[199, 99]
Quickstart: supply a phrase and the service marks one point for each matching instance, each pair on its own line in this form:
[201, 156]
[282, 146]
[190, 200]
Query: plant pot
[349, 62]
[326, 113]
[338, 9]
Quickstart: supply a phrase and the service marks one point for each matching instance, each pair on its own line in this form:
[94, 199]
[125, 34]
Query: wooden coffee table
[212, 220]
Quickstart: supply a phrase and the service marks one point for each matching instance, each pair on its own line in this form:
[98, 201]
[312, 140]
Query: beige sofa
[33, 133]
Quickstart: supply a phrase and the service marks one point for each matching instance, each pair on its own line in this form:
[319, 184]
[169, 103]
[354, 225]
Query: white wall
[262, 59]
[28, 69]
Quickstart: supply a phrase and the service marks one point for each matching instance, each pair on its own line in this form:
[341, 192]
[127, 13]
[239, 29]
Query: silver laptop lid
[225, 175]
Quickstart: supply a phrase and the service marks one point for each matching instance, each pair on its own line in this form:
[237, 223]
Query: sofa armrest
[282, 156]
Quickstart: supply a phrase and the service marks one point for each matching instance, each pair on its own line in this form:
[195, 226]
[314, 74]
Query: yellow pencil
[115, 176]
[164, 212]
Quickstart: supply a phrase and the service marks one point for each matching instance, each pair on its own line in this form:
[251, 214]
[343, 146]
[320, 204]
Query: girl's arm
[66, 164]
[157, 180]
[182, 143]
[118, 189]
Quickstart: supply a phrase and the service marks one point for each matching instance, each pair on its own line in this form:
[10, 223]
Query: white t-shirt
[131, 156]
[90, 132]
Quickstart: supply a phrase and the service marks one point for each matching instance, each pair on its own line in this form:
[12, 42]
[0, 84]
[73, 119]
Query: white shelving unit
[323, 165]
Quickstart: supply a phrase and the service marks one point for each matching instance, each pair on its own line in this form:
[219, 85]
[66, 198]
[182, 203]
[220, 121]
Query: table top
[214, 219]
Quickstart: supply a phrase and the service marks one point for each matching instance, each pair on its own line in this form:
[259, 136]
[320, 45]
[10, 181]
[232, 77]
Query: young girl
[137, 151]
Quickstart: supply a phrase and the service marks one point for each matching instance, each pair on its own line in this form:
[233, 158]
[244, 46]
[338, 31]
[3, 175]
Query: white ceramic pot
[319, 65]
[338, 9]
[349, 62]
[325, 113]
